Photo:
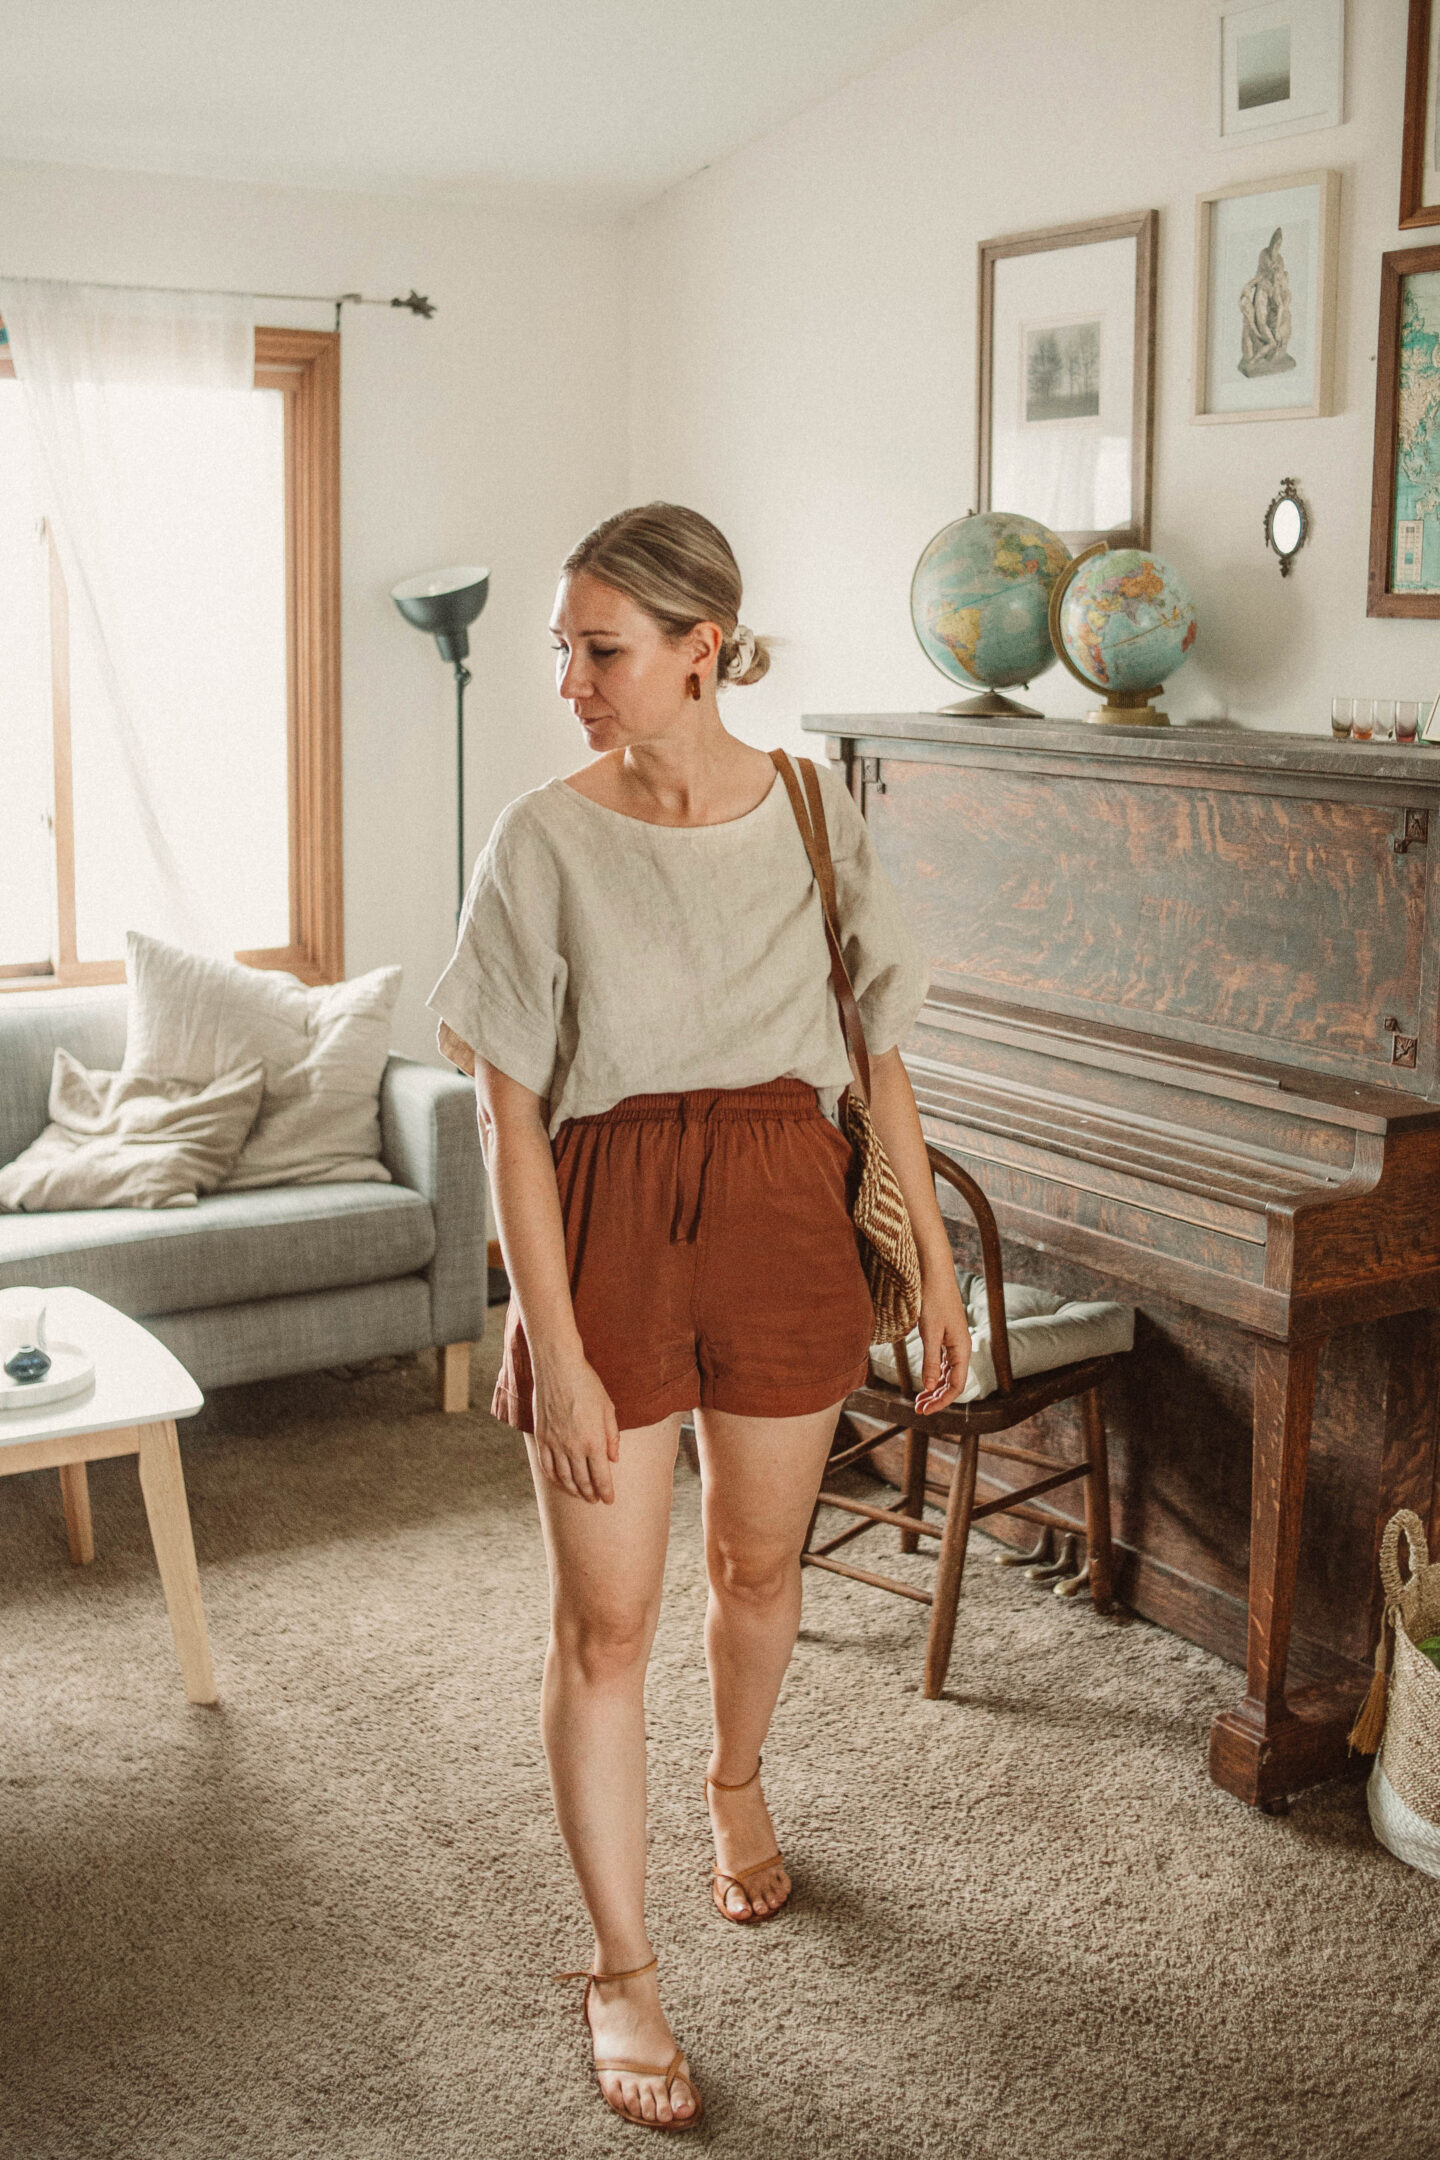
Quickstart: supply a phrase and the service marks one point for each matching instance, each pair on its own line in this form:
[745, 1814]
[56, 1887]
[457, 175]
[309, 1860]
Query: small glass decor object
[1407, 719]
[1362, 726]
[1384, 722]
[1342, 713]
[22, 1344]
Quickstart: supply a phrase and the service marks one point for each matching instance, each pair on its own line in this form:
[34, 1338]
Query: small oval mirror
[1287, 525]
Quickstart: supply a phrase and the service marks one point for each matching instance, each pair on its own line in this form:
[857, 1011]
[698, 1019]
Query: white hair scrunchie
[744, 653]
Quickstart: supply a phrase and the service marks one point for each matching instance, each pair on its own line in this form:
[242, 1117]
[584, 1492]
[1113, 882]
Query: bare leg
[760, 1478]
[606, 1565]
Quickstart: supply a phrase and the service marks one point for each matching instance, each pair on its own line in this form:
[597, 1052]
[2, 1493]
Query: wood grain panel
[1150, 1234]
[1083, 1172]
[1269, 1111]
[1392, 1231]
[1284, 921]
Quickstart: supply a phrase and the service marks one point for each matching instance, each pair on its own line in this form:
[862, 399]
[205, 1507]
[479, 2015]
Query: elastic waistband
[775, 1098]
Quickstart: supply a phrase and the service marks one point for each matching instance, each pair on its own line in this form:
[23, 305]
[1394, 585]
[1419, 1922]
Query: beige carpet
[317, 1923]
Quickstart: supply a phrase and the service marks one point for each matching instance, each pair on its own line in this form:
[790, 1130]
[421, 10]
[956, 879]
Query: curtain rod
[417, 303]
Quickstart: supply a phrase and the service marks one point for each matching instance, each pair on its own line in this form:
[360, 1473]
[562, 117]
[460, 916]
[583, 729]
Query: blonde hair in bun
[682, 570]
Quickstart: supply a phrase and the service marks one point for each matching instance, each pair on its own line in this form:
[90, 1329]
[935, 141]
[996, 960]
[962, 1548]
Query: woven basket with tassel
[1401, 1716]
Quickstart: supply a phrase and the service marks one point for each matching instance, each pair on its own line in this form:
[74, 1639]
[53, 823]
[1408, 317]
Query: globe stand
[992, 706]
[1126, 708]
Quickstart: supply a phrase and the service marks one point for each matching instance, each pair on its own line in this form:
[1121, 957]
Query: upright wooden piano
[1184, 1027]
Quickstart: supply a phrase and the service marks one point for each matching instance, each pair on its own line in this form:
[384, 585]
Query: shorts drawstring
[690, 1156]
[698, 1113]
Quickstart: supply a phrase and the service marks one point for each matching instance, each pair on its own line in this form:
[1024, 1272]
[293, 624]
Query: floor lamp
[445, 603]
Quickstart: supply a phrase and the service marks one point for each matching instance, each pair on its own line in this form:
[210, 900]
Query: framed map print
[1405, 502]
[1066, 377]
[1265, 264]
[1420, 153]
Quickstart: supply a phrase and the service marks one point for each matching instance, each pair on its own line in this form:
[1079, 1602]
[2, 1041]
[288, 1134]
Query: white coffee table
[129, 1408]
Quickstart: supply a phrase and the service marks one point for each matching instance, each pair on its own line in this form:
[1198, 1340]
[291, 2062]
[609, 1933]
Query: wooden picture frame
[1132, 344]
[1393, 588]
[1323, 270]
[1421, 61]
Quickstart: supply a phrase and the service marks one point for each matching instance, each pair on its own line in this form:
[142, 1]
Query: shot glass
[1342, 713]
[1384, 719]
[1362, 726]
[1407, 719]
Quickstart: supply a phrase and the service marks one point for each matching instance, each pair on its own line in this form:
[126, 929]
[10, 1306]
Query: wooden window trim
[304, 365]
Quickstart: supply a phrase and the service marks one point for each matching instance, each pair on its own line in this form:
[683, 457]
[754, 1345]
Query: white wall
[803, 354]
[492, 431]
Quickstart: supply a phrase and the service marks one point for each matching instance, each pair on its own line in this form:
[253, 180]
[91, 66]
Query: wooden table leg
[162, 1481]
[1272, 1744]
[453, 1376]
[75, 1496]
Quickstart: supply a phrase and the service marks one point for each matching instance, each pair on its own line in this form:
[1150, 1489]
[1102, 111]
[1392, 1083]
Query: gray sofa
[245, 1285]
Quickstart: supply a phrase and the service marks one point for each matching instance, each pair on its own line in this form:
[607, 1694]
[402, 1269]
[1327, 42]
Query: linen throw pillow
[323, 1051]
[127, 1140]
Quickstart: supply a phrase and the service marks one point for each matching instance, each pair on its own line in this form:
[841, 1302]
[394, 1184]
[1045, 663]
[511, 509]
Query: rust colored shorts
[712, 1257]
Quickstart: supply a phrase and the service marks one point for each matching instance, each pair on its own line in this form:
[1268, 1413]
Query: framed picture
[1420, 151]
[1067, 377]
[1279, 67]
[1430, 722]
[1405, 501]
[1265, 267]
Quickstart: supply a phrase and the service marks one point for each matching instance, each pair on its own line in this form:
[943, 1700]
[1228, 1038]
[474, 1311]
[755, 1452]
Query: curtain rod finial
[417, 303]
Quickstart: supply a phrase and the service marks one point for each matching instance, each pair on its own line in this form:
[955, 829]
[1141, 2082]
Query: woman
[641, 983]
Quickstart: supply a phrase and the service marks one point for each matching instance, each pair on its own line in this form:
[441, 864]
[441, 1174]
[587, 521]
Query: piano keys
[1184, 1027]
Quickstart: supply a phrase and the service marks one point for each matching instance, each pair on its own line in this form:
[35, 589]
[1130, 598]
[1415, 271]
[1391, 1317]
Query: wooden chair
[970, 1424]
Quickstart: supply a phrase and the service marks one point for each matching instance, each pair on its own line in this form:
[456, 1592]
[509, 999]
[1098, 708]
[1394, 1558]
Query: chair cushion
[227, 1249]
[1045, 1332]
[323, 1049]
[123, 1140]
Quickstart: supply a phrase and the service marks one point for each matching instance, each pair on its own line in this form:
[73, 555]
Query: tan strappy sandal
[671, 2071]
[722, 1881]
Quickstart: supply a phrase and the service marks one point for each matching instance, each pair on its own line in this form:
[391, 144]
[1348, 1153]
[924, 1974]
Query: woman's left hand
[945, 1334]
[944, 1329]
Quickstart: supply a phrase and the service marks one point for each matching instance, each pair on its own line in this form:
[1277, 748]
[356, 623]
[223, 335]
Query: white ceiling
[619, 98]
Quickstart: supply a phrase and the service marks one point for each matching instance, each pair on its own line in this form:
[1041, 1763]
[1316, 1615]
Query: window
[232, 635]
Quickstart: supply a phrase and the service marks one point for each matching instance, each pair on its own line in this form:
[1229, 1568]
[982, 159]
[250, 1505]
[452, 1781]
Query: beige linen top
[599, 956]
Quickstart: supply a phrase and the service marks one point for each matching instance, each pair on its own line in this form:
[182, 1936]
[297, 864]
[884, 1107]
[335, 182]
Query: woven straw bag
[1402, 1714]
[882, 1222]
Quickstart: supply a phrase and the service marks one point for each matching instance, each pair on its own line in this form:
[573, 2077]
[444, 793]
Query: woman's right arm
[576, 1435]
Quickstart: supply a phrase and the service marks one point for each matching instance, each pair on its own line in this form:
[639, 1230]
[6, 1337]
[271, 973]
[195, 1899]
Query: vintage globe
[980, 601]
[1122, 622]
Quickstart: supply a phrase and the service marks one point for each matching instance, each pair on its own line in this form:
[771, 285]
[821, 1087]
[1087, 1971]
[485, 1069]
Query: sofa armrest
[430, 1141]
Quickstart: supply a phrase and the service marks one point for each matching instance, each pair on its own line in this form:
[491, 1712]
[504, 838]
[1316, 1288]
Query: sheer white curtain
[93, 361]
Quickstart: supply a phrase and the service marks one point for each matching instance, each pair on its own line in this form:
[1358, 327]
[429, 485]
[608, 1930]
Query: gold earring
[692, 687]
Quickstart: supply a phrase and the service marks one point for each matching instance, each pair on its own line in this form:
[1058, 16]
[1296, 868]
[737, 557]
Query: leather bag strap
[810, 817]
